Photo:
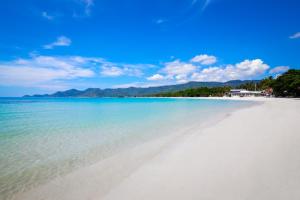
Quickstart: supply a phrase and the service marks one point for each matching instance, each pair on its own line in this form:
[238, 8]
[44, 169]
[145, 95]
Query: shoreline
[88, 182]
[108, 172]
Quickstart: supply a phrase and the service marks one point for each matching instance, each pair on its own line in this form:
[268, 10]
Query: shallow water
[42, 138]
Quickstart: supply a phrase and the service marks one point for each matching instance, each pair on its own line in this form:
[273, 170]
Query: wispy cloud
[195, 9]
[47, 16]
[60, 41]
[160, 21]
[194, 2]
[39, 71]
[87, 9]
[110, 69]
[78, 9]
[88, 5]
[115, 71]
[295, 36]
[279, 69]
[202, 4]
[205, 5]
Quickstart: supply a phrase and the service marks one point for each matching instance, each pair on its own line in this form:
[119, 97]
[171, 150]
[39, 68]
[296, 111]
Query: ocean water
[43, 138]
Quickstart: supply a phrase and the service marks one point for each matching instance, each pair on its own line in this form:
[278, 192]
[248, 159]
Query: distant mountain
[136, 92]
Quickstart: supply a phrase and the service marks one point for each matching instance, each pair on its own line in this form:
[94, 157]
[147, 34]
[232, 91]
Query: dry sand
[252, 154]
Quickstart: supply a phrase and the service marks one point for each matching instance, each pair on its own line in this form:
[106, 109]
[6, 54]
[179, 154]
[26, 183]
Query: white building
[245, 93]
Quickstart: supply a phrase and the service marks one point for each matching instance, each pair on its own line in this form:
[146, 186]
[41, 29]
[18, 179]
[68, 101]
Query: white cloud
[279, 69]
[44, 70]
[61, 41]
[175, 70]
[156, 77]
[135, 69]
[204, 59]
[47, 16]
[112, 71]
[178, 68]
[62, 71]
[181, 72]
[247, 69]
[119, 69]
[295, 36]
[251, 67]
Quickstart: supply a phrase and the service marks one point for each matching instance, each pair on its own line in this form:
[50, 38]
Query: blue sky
[53, 45]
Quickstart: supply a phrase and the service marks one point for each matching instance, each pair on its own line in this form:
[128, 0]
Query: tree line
[197, 92]
[285, 85]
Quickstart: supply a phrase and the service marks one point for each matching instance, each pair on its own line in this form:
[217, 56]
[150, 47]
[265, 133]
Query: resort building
[245, 93]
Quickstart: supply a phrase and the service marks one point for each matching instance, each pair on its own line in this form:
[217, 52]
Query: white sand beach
[251, 154]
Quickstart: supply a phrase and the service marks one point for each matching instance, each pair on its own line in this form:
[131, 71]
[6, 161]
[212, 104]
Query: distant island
[286, 85]
[140, 92]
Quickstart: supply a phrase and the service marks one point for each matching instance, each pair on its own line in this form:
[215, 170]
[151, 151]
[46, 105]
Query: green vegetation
[288, 84]
[261, 85]
[266, 83]
[197, 92]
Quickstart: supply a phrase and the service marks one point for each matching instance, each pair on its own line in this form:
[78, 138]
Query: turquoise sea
[42, 138]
